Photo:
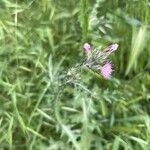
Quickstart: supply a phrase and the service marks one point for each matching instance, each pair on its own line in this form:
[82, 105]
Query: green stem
[84, 19]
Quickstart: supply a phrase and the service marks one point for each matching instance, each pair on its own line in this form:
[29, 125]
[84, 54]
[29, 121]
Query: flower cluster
[97, 60]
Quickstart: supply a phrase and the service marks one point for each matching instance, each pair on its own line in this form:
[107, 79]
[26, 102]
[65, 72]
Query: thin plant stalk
[84, 19]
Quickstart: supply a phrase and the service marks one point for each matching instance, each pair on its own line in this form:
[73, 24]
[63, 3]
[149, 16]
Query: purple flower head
[87, 48]
[110, 49]
[106, 70]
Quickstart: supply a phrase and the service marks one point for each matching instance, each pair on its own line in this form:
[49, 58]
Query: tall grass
[39, 41]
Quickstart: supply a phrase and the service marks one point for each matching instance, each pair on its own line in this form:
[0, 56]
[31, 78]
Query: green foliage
[40, 109]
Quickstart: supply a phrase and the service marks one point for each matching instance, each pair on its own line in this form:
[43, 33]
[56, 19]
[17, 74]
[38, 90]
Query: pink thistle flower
[110, 49]
[106, 70]
[87, 48]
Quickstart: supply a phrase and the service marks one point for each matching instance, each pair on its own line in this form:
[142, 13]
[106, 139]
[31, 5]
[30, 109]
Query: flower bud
[87, 48]
[110, 49]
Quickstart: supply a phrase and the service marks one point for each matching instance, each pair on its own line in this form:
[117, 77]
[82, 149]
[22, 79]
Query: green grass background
[39, 41]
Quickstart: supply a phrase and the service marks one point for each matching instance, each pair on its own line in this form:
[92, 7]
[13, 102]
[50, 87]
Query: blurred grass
[39, 41]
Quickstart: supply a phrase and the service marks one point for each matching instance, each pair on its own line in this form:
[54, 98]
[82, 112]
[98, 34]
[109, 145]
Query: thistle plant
[94, 60]
[98, 60]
